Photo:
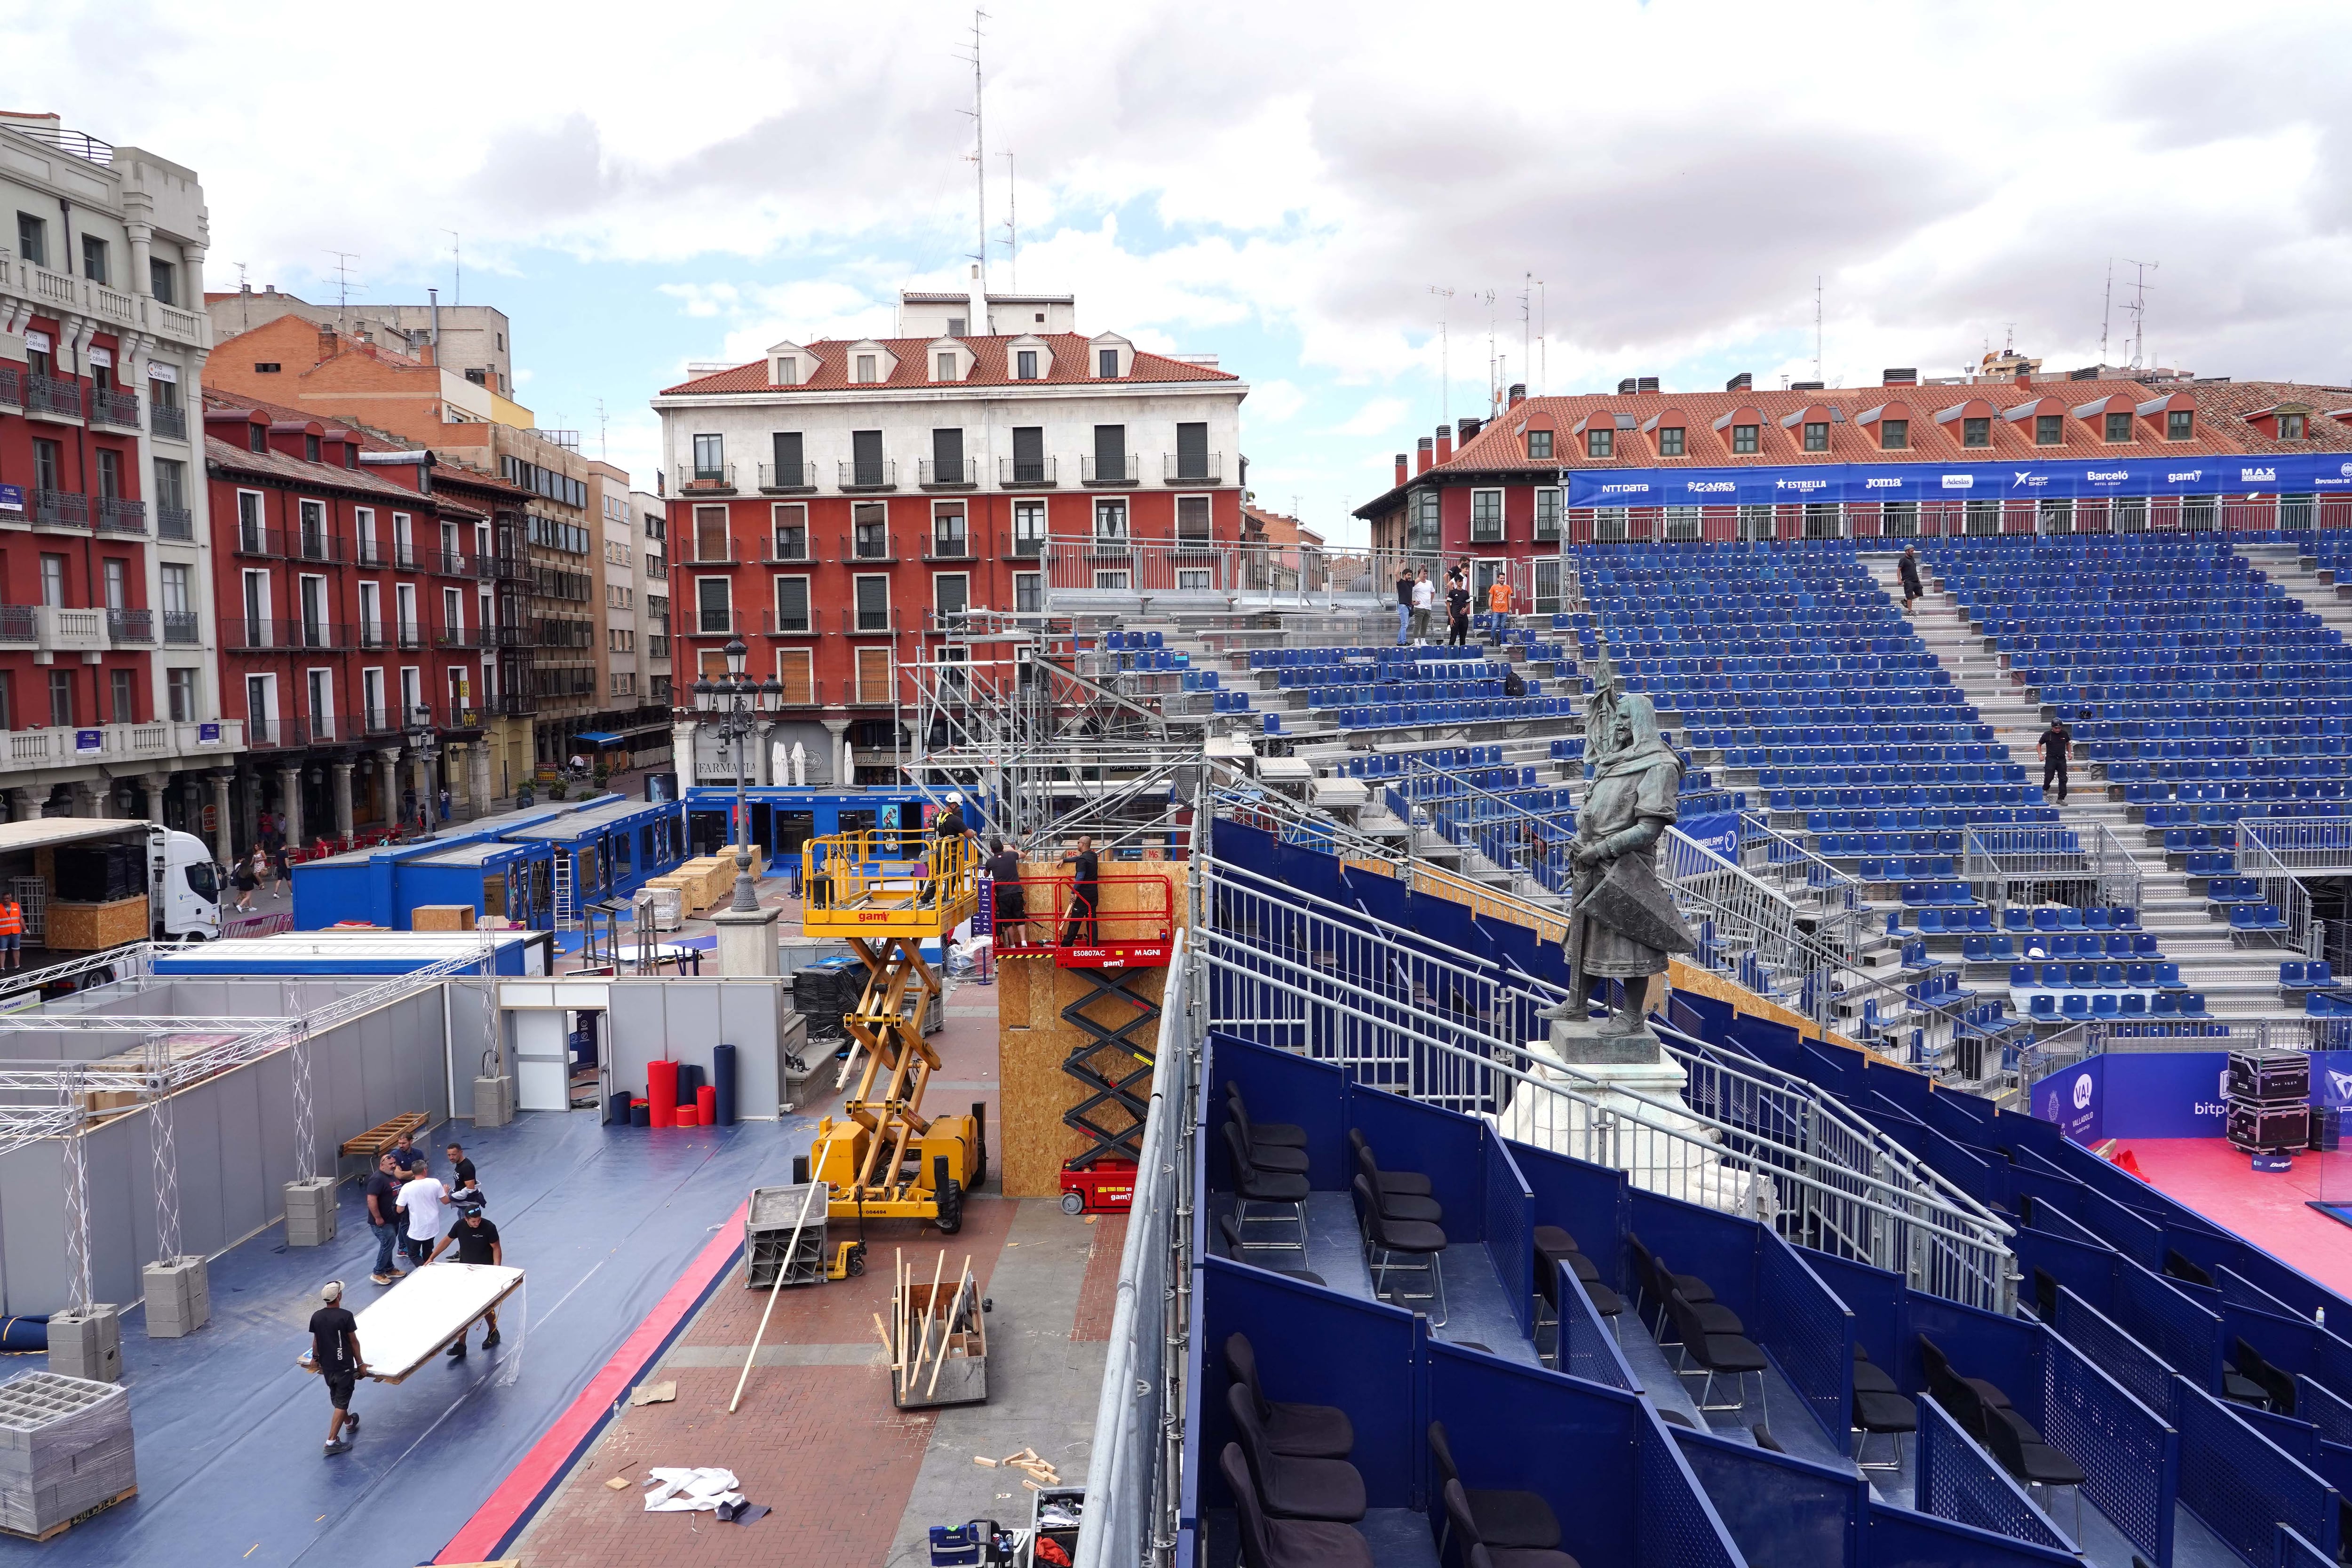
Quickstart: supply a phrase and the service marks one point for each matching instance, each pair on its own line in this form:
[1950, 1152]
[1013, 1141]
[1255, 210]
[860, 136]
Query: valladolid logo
[2082, 1092]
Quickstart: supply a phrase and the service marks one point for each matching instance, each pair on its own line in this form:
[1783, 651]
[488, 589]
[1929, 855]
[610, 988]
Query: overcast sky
[1281, 184]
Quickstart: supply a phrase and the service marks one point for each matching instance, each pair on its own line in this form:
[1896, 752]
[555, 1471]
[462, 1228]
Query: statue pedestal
[1598, 1118]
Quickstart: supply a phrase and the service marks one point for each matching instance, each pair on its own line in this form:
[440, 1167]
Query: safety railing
[2316, 846]
[2285, 891]
[1135, 1468]
[884, 883]
[2043, 864]
[1399, 1012]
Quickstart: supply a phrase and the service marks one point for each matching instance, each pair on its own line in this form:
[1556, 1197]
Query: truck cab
[188, 888]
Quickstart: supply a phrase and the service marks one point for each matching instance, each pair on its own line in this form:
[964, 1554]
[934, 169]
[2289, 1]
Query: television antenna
[457, 270]
[344, 282]
[1444, 379]
[979, 158]
[2137, 308]
[1012, 221]
[2107, 308]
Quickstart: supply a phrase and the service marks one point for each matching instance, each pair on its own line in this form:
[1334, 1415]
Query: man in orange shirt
[12, 932]
[1498, 597]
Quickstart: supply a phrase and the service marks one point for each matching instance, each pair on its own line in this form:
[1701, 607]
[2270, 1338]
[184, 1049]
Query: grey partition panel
[683, 1019]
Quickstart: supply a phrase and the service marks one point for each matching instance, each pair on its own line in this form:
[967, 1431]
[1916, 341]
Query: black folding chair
[1286, 1543]
[1385, 1241]
[1395, 1202]
[1477, 1553]
[1280, 1134]
[1401, 1184]
[1237, 1249]
[1293, 1488]
[1252, 1185]
[1294, 1431]
[2020, 1450]
[1507, 1518]
[1717, 1354]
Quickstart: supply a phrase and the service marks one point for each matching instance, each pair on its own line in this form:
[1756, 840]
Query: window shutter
[1028, 444]
[946, 455]
[1193, 451]
[792, 672]
[1110, 451]
[788, 457]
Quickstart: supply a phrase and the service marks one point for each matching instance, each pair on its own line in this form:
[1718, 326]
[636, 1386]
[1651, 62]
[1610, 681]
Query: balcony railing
[958, 475]
[1026, 473]
[183, 628]
[1194, 468]
[12, 385]
[61, 509]
[18, 624]
[109, 406]
[514, 704]
[457, 637]
[117, 514]
[409, 634]
[712, 624]
[948, 547]
[876, 546]
[58, 395]
[511, 569]
[1097, 471]
[381, 721]
[373, 637]
[261, 633]
[786, 547]
[319, 545]
[787, 479]
[457, 564]
[870, 623]
[711, 552]
[695, 480]
[875, 476]
[168, 420]
[775, 625]
[175, 522]
[130, 625]
[304, 544]
[62, 630]
[1025, 549]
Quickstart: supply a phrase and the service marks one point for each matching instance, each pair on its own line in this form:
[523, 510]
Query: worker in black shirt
[1908, 569]
[2057, 741]
[1012, 902]
[335, 1352]
[476, 1241]
[1458, 610]
[1405, 581]
[461, 1172]
[1085, 889]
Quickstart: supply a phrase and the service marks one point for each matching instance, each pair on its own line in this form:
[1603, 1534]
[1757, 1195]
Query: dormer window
[1538, 445]
[945, 370]
[1816, 436]
[1746, 438]
[1025, 365]
[1107, 364]
[1895, 435]
[1976, 432]
[309, 448]
[256, 437]
[1670, 441]
[1601, 443]
[2290, 427]
[866, 369]
[2180, 425]
[2049, 430]
[788, 370]
[2119, 427]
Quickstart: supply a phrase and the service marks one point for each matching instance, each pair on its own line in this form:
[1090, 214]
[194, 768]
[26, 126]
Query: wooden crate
[442, 917]
[86, 927]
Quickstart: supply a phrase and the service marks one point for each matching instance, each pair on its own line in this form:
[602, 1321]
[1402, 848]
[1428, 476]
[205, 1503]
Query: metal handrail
[2282, 887]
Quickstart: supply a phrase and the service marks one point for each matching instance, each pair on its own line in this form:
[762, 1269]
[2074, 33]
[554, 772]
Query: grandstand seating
[1393, 688]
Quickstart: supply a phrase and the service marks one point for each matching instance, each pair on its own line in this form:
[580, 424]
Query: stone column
[681, 754]
[289, 803]
[843, 774]
[342, 800]
[387, 761]
[156, 784]
[88, 800]
[24, 805]
[478, 777]
[428, 791]
[224, 828]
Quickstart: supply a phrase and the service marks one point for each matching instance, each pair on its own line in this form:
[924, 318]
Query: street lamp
[733, 706]
[426, 743]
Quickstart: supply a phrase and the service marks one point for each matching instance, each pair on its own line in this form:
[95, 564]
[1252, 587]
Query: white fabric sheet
[689, 1490]
[406, 1326]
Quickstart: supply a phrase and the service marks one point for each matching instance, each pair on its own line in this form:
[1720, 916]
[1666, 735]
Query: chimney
[1626, 387]
[1445, 442]
[434, 296]
[1740, 382]
[978, 323]
[1649, 383]
[1402, 471]
[1469, 428]
[1519, 393]
[1422, 466]
[1900, 376]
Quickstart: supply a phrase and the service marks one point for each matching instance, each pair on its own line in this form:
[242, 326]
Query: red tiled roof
[274, 464]
[2221, 427]
[992, 366]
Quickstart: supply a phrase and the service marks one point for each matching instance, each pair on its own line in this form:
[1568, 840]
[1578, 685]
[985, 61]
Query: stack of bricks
[65, 1450]
[86, 1344]
[179, 1297]
[310, 1211]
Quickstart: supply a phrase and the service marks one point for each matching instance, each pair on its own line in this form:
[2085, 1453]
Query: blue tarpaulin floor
[228, 1430]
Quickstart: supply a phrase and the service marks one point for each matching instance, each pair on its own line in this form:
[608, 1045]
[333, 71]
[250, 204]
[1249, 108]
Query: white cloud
[1271, 401]
[1378, 418]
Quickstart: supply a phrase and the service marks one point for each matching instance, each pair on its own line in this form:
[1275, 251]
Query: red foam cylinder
[661, 1093]
[706, 1106]
[689, 1115]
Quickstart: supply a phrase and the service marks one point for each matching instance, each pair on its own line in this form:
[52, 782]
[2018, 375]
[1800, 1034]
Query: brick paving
[1100, 1293]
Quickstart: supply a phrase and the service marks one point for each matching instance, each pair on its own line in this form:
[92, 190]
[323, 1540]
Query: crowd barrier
[2241, 1486]
[2129, 1453]
[2137, 1369]
[2295, 1552]
[1781, 1511]
[1509, 1226]
[1956, 1479]
[2187, 1336]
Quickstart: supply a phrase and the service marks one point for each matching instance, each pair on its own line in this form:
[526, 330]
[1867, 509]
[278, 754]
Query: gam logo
[2082, 1092]
[2188, 477]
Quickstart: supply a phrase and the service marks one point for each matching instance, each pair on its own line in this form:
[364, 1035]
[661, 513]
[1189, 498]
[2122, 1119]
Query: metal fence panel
[1959, 1481]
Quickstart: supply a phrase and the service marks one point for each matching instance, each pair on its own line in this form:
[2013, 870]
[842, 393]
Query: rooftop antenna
[600, 444]
[2137, 308]
[456, 271]
[1488, 298]
[979, 156]
[1012, 222]
[1543, 345]
[343, 284]
[242, 286]
[1527, 321]
[1817, 326]
[2107, 308]
[1444, 379]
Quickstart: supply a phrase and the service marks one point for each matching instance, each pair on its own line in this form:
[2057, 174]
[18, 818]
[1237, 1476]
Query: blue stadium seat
[2045, 1007]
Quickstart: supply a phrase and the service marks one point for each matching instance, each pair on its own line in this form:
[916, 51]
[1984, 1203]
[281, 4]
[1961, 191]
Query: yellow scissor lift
[888, 893]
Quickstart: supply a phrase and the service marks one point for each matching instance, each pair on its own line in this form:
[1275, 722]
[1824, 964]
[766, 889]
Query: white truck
[59, 864]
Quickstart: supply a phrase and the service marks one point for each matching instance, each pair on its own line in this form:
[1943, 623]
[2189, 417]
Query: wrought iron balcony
[176, 523]
[1194, 468]
[117, 514]
[183, 628]
[58, 395]
[61, 509]
[875, 476]
[168, 420]
[715, 479]
[787, 479]
[1099, 470]
[957, 476]
[130, 626]
[1026, 473]
[111, 407]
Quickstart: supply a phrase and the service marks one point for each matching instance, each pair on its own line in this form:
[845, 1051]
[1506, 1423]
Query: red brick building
[831, 504]
[355, 597]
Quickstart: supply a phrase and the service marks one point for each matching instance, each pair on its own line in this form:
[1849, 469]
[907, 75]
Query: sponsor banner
[158, 371]
[89, 742]
[2076, 1100]
[2167, 1094]
[2136, 475]
[1716, 832]
[12, 498]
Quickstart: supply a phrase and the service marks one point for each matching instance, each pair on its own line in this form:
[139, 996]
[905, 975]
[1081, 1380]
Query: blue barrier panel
[1280, 1087]
[1588, 1345]
[2049, 1214]
[1188, 1505]
[2324, 1408]
[1835, 1068]
[1876, 1300]
[1965, 1168]
[2332, 1462]
[1958, 1480]
[2088, 1271]
[1687, 1238]
[1518, 1428]
[1776, 1045]
[2295, 1552]
[2297, 1439]
[1979, 1344]
[1510, 1223]
[2185, 1334]
[2017, 1131]
[2124, 1228]
[1782, 1511]
[2290, 1344]
[2336, 1362]
[2031, 1182]
[1406, 1135]
[2241, 1485]
[1914, 1091]
[2130, 1455]
[1895, 1122]
[1804, 1326]
[2237, 1291]
[1679, 1527]
[1585, 1200]
[1963, 1118]
[1204, 1096]
[1708, 1018]
[1901, 1538]
[1315, 1347]
[2140, 1370]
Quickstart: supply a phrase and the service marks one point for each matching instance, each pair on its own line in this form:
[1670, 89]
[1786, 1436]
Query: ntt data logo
[1624, 489]
[1959, 481]
[2257, 476]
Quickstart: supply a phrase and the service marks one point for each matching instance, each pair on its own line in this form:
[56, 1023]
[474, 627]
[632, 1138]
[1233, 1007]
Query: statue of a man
[1622, 924]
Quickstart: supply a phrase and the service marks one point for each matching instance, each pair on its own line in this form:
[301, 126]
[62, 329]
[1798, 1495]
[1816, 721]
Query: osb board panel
[1034, 1091]
[442, 917]
[86, 927]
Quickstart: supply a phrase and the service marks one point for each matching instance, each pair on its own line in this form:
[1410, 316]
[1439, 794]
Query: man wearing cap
[476, 1241]
[335, 1352]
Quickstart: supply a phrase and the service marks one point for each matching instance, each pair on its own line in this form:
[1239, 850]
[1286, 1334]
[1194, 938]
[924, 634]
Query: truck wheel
[950, 1218]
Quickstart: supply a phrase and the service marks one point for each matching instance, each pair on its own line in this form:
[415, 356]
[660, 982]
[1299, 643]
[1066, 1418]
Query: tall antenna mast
[1445, 375]
[1488, 298]
[980, 171]
[343, 284]
[1013, 220]
[457, 270]
[601, 443]
[2107, 308]
[1527, 322]
[2137, 309]
[1543, 342]
[1817, 326]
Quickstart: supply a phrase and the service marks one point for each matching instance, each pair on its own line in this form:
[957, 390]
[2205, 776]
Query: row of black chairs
[1705, 1331]
[1556, 1248]
[1985, 1412]
[1269, 1161]
[2247, 1378]
[1400, 1222]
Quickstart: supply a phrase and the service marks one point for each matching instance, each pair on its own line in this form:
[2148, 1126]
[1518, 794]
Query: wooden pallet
[62, 1526]
[377, 1139]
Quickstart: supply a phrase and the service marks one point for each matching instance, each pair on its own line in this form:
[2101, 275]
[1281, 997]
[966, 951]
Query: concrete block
[494, 1100]
[65, 1447]
[86, 1345]
[179, 1301]
[310, 1211]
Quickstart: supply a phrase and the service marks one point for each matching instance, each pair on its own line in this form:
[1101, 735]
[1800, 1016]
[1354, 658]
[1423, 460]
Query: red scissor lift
[1107, 948]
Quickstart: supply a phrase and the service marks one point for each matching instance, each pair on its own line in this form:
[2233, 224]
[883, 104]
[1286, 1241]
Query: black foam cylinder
[722, 1078]
[616, 1108]
[640, 1114]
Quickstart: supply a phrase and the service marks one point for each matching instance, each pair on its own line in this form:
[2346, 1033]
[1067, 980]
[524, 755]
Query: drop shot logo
[2082, 1092]
[2343, 1084]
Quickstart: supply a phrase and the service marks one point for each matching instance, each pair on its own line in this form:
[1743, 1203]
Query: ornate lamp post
[733, 707]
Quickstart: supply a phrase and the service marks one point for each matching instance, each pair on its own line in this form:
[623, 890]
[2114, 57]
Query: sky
[1607, 189]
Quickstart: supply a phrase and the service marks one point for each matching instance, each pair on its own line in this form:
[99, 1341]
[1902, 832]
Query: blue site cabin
[513, 881]
[784, 818]
[356, 952]
[362, 884]
[615, 846]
